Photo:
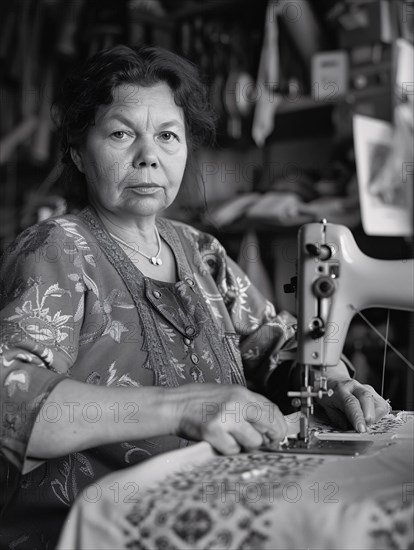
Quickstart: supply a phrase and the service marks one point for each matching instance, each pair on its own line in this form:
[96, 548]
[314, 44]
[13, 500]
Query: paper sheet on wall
[386, 206]
[404, 77]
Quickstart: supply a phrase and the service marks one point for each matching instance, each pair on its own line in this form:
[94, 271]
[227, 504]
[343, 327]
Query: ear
[77, 159]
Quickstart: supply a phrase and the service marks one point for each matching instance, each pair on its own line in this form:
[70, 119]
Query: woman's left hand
[353, 404]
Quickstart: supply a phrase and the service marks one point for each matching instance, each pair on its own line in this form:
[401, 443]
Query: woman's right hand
[229, 417]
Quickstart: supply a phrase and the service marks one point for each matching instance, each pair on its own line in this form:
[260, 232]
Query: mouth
[145, 184]
[145, 187]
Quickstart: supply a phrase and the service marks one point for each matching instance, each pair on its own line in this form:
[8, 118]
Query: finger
[223, 442]
[266, 417]
[382, 408]
[246, 435]
[366, 402]
[274, 434]
[354, 413]
[275, 430]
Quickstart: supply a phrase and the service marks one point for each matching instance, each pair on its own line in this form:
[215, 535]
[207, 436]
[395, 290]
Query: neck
[138, 230]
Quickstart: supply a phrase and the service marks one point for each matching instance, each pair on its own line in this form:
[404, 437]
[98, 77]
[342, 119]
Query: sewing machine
[334, 281]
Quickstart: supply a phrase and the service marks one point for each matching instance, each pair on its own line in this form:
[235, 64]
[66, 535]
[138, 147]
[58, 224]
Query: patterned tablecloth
[194, 499]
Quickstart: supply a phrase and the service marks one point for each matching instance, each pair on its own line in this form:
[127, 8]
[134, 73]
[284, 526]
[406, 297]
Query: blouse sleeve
[42, 303]
[267, 338]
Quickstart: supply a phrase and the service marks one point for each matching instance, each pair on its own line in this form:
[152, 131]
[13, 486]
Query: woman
[126, 334]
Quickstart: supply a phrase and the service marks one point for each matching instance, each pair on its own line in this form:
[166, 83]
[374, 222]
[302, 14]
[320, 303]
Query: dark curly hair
[83, 93]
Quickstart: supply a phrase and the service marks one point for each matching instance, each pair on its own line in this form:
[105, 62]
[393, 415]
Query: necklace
[154, 260]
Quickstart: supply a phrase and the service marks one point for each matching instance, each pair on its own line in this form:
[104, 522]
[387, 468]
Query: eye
[168, 137]
[119, 135]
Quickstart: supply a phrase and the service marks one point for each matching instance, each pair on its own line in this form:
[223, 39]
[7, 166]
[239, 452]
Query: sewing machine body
[335, 280]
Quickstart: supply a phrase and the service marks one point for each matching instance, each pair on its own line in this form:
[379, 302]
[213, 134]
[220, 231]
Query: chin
[143, 210]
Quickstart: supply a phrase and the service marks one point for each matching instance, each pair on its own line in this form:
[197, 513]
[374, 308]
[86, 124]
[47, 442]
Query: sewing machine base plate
[322, 447]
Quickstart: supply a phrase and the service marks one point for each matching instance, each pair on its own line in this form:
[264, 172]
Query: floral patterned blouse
[74, 305]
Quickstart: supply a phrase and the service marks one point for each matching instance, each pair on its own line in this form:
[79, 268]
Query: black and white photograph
[207, 275]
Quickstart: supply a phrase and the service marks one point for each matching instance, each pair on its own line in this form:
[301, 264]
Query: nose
[145, 155]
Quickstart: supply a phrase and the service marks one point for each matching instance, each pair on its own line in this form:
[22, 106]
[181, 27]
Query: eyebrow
[166, 124]
[172, 122]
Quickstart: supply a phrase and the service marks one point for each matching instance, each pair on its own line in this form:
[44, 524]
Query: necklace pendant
[159, 261]
[153, 260]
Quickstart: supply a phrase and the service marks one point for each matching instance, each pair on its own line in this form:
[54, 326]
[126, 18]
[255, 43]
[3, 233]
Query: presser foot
[314, 445]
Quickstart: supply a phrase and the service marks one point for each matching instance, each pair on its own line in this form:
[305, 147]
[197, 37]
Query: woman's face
[135, 154]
